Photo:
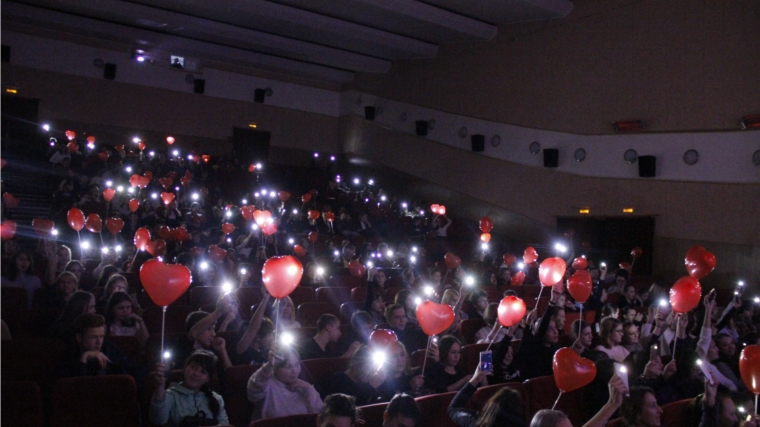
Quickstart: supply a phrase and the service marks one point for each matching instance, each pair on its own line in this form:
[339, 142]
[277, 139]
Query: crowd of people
[77, 286]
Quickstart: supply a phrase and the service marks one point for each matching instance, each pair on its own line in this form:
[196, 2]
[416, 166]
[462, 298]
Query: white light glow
[227, 287]
[245, 201]
[85, 245]
[371, 182]
[379, 358]
[167, 354]
[255, 227]
[520, 265]
[413, 259]
[195, 196]
[154, 196]
[204, 265]
[332, 158]
[151, 153]
[316, 155]
[104, 250]
[414, 248]
[320, 271]
[291, 241]
[484, 246]
[560, 247]
[469, 281]
[228, 214]
[336, 253]
[54, 232]
[429, 290]
[383, 198]
[370, 264]
[356, 181]
[136, 140]
[404, 205]
[120, 188]
[295, 211]
[117, 248]
[175, 152]
[109, 183]
[287, 339]
[46, 127]
[389, 254]
[418, 301]
[130, 190]
[258, 166]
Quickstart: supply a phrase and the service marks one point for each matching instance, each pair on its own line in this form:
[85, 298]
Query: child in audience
[20, 274]
[339, 410]
[121, 321]
[448, 375]
[611, 336]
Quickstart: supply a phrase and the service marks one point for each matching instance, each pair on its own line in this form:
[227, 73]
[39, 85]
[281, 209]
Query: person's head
[630, 333]
[505, 407]
[287, 369]
[491, 314]
[200, 368]
[408, 276]
[713, 353]
[610, 310]
[640, 408]
[449, 350]
[361, 365]
[75, 267]
[629, 290]
[362, 323]
[550, 418]
[380, 278]
[586, 336]
[629, 313]
[396, 316]
[67, 283]
[377, 305]
[728, 414]
[450, 297]
[397, 360]
[552, 334]
[329, 325]
[405, 297]
[435, 277]
[119, 307]
[64, 255]
[105, 274]
[559, 318]
[726, 345]
[339, 410]
[348, 252]
[115, 283]
[402, 411]
[621, 278]
[286, 308]
[23, 263]
[611, 332]
[204, 338]
[265, 335]
[81, 302]
[479, 300]
[90, 331]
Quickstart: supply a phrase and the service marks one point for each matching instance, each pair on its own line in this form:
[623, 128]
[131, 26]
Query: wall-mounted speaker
[478, 143]
[647, 166]
[369, 112]
[421, 127]
[199, 86]
[258, 95]
[109, 71]
[551, 157]
[6, 53]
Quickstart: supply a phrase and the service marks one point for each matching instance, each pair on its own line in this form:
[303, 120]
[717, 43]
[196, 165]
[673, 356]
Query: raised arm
[253, 327]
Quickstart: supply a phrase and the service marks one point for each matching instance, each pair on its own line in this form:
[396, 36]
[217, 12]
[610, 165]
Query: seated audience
[328, 332]
[20, 274]
[255, 338]
[339, 410]
[447, 374]
[400, 377]
[402, 411]
[201, 336]
[412, 337]
[362, 378]
[490, 333]
[92, 357]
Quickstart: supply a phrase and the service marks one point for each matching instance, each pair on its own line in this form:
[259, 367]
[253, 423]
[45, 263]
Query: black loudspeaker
[369, 113]
[478, 143]
[421, 126]
[109, 71]
[199, 86]
[647, 166]
[258, 95]
[6, 56]
[551, 157]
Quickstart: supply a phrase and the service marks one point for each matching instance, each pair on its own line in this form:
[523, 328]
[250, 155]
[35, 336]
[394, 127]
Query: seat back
[31, 359]
[347, 309]
[248, 296]
[129, 345]
[469, 327]
[358, 294]
[433, 410]
[95, 401]
[333, 295]
[319, 371]
[205, 295]
[175, 318]
[542, 393]
[292, 420]
[345, 281]
[302, 294]
[678, 413]
[22, 404]
[372, 415]
[471, 356]
[235, 394]
[309, 312]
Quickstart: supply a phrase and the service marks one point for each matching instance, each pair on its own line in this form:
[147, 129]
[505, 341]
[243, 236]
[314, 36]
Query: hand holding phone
[622, 372]
[486, 362]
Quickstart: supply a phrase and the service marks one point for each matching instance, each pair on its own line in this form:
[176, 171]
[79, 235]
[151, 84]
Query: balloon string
[557, 401]
[100, 233]
[427, 349]
[277, 319]
[81, 249]
[163, 325]
[580, 324]
[493, 338]
[756, 395]
[539, 294]
[675, 339]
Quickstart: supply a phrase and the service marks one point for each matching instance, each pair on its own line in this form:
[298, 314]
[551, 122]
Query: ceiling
[321, 40]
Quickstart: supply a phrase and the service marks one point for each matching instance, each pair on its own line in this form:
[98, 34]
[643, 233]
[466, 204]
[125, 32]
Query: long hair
[115, 299]
[504, 408]
[105, 275]
[74, 308]
[444, 347]
[13, 270]
[608, 325]
[206, 360]
[547, 418]
[633, 405]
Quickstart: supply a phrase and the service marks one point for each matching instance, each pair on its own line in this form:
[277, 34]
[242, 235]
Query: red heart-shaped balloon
[269, 229]
[228, 228]
[75, 218]
[313, 236]
[434, 318]
[108, 194]
[508, 258]
[7, 229]
[185, 180]
[434, 208]
[196, 158]
[486, 224]
[149, 175]
[141, 145]
[356, 268]
[749, 366]
[181, 234]
[517, 279]
[114, 225]
[306, 198]
[551, 271]
[329, 216]
[685, 294]
[164, 232]
[216, 253]
[452, 261]
[251, 167]
[42, 227]
[571, 371]
[283, 195]
[299, 250]
[485, 237]
[281, 275]
[72, 146]
[580, 263]
[119, 148]
[166, 182]
[313, 214]
[134, 204]
[10, 200]
[382, 339]
[70, 134]
[93, 223]
[511, 311]
[699, 262]
[164, 283]
[156, 247]
[441, 210]
[247, 212]
[636, 252]
[142, 238]
[530, 255]
[262, 218]
[625, 265]
[103, 156]
[206, 158]
[579, 285]
[167, 197]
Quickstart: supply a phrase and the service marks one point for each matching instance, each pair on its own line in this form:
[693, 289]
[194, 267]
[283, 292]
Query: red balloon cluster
[636, 252]
[306, 198]
[138, 181]
[215, 253]
[508, 258]
[485, 237]
[551, 271]
[166, 182]
[142, 238]
[517, 279]
[42, 227]
[247, 212]
[580, 263]
[156, 247]
[93, 224]
[167, 197]
[134, 204]
[299, 250]
[281, 275]
[438, 209]
[571, 371]
[511, 311]
[329, 216]
[164, 283]
[685, 294]
[269, 229]
[262, 218]
[313, 214]
[114, 225]
[434, 318]
[228, 228]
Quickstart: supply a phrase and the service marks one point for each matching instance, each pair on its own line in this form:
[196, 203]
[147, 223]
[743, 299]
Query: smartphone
[622, 372]
[705, 371]
[486, 362]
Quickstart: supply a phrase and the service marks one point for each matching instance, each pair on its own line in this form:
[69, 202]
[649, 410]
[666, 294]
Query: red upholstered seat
[469, 327]
[95, 401]
[205, 295]
[302, 420]
[175, 318]
[372, 415]
[345, 281]
[309, 312]
[301, 295]
[433, 409]
[235, 394]
[22, 404]
[543, 392]
[471, 355]
[333, 295]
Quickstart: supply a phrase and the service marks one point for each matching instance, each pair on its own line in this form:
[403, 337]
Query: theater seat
[248, 296]
[319, 371]
[22, 404]
[469, 327]
[95, 401]
[309, 312]
[175, 318]
[358, 294]
[31, 359]
[129, 345]
[333, 295]
[345, 281]
[542, 392]
[301, 295]
[471, 355]
[235, 394]
[433, 409]
[678, 413]
[372, 415]
[205, 295]
[347, 309]
[303, 420]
